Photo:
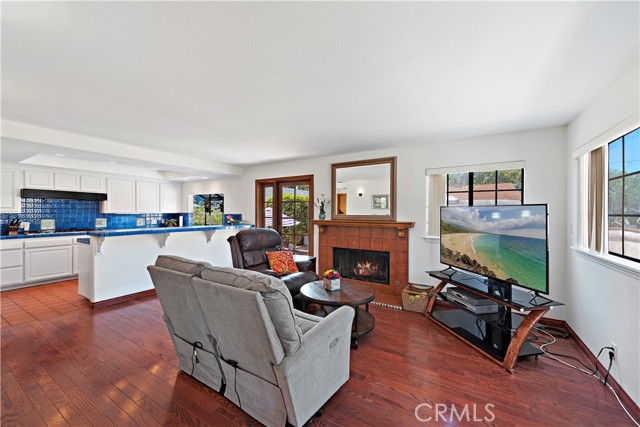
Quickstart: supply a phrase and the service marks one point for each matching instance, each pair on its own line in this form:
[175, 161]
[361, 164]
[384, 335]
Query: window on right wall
[496, 187]
[624, 196]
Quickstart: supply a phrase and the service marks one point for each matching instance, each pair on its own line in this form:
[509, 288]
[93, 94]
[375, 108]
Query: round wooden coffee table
[350, 295]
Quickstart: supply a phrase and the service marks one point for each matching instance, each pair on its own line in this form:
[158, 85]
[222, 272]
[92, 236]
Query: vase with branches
[322, 202]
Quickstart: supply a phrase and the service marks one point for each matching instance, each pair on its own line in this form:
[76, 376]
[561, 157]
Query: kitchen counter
[125, 232]
[52, 234]
[162, 230]
[113, 263]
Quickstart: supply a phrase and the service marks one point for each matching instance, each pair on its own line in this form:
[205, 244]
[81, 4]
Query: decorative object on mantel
[331, 280]
[323, 202]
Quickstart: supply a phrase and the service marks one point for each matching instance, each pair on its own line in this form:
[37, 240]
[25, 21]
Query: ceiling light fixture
[59, 155]
[113, 163]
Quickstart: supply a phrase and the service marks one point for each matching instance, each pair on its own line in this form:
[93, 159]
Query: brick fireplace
[384, 236]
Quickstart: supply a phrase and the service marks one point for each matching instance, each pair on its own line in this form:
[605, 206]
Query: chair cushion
[295, 281]
[183, 265]
[282, 262]
[275, 294]
[306, 321]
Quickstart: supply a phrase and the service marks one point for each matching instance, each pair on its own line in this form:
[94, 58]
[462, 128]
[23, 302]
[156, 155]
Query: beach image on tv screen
[508, 243]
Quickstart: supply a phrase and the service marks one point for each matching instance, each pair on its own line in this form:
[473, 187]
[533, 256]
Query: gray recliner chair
[237, 332]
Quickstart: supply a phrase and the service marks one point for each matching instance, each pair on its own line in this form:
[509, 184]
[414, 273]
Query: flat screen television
[506, 243]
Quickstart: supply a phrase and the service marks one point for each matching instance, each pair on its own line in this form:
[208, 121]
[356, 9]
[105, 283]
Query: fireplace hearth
[364, 265]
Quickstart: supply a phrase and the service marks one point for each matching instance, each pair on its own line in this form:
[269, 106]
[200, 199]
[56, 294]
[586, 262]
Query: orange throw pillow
[282, 262]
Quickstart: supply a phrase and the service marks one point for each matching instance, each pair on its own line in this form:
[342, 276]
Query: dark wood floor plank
[9, 415]
[21, 403]
[27, 377]
[116, 366]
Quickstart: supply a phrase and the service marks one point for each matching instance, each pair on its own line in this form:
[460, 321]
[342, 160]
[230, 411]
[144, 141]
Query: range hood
[30, 193]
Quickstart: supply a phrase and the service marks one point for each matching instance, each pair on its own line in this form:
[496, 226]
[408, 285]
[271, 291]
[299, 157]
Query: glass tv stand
[500, 336]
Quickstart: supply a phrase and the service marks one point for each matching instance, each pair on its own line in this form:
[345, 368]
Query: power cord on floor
[595, 374]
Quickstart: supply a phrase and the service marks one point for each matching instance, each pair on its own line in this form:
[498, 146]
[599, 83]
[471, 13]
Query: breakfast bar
[113, 263]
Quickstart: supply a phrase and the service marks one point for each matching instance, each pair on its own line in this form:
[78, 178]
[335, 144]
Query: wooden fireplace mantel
[401, 227]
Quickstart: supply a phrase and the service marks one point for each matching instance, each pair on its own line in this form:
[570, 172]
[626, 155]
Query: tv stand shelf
[500, 336]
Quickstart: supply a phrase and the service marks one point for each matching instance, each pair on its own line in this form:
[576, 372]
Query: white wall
[363, 205]
[543, 150]
[604, 303]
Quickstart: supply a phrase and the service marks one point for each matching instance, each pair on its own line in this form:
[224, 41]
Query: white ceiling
[239, 83]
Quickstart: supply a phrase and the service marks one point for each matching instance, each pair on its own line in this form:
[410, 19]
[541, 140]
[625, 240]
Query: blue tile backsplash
[70, 214]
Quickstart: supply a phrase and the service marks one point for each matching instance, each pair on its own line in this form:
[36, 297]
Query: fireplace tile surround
[384, 236]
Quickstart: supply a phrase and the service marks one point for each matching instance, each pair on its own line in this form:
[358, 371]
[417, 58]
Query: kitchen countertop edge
[128, 231]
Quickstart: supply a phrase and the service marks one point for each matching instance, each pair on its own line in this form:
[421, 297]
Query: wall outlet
[154, 222]
[101, 222]
[140, 222]
[615, 350]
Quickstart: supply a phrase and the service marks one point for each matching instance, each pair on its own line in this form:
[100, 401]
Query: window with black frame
[497, 187]
[624, 196]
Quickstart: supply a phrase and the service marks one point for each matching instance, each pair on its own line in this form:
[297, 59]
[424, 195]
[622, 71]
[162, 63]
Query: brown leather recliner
[249, 251]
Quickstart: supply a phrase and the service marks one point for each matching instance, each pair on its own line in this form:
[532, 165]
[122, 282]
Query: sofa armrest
[310, 376]
[304, 265]
[267, 272]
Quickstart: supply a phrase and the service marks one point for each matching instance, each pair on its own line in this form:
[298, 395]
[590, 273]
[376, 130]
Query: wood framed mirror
[364, 190]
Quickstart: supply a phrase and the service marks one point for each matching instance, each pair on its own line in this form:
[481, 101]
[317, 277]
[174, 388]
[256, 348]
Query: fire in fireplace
[368, 266]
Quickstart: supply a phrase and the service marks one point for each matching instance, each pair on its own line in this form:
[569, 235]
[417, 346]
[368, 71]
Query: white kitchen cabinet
[42, 180]
[75, 268]
[66, 182]
[147, 197]
[47, 258]
[11, 262]
[93, 184]
[121, 196]
[11, 183]
[170, 198]
[76, 260]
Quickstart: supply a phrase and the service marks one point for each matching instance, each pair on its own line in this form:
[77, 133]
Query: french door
[286, 205]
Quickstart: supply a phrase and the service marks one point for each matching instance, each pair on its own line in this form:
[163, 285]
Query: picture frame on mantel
[380, 201]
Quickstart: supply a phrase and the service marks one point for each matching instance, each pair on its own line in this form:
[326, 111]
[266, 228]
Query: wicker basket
[415, 299]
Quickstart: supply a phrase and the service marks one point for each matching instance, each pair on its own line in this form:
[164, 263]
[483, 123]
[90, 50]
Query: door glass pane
[301, 244]
[302, 193]
[615, 234]
[302, 226]
[615, 196]
[268, 206]
[632, 152]
[615, 158]
[302, 210]
[287, 242]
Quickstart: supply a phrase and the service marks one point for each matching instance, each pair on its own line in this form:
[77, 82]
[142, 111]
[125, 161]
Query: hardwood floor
[66, 364]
